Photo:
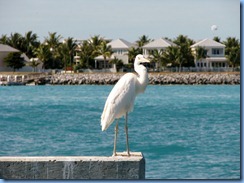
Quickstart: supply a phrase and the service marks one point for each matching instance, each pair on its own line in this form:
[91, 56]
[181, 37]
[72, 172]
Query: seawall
[73, 167]
[154, 78]
[194, 78]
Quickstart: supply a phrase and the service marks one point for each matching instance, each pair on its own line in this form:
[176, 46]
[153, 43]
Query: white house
[5, 50]
[215, 54]
[120, 49]
[158, 44]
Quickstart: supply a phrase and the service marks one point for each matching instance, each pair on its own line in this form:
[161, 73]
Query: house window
[217, 51]
[119, 52]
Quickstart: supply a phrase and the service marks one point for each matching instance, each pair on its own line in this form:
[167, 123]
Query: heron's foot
[114, 154]
[128, 153]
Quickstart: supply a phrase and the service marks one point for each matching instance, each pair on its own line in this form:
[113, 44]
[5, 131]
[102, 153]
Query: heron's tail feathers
[105, 124]
[107, 119]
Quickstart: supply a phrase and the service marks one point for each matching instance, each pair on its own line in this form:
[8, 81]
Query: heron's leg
[126, 132]
[115, 137]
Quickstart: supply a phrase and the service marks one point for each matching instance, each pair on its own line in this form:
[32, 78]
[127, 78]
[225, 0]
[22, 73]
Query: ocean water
[184, 132]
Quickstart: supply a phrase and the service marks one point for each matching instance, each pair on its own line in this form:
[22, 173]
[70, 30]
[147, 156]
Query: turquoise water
[183, 131]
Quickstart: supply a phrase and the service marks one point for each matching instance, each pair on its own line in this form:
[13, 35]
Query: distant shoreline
[190, 78]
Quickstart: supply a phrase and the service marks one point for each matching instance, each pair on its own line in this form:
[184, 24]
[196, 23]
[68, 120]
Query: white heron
[121, 99]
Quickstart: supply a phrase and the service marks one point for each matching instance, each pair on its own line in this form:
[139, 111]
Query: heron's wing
[120, 100]
[124, 95]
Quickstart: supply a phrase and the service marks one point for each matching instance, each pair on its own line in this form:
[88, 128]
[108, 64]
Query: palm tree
[117, 62]
[105, 50]
[25, 44]
[132, 52]
[232, 51]
[184, 53]
[96, 40]
[142, 41]
[63, 55]
[44, 55]
[53, 42]
[217, 39]
[4, 39]
[157, 57]
[234, 56]
[200, 53]
[95, 43]
[181, 39]
[16, 41]
[86, 53]
[69, 47]
[170, 55]
[30, 42]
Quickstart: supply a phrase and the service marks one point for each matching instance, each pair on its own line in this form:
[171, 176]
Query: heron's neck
[143, 77]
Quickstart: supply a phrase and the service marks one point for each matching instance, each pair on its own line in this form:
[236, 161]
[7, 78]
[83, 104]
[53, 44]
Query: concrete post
[73, 167]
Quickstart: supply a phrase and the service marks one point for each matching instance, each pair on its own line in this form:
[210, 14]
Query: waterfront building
[159, 44]
[120, 49]
[5, 50]
[215, 57]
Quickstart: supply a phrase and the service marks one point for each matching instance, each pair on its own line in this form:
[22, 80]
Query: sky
[127, 19]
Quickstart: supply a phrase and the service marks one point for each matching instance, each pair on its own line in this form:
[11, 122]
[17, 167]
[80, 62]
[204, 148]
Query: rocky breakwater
[195, 78]
[79, 79]
[154, 78]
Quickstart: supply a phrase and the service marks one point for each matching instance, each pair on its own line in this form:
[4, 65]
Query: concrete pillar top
[121, 156]
[73, 167]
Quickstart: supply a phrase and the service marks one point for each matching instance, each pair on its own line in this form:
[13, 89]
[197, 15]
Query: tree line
[57, 54]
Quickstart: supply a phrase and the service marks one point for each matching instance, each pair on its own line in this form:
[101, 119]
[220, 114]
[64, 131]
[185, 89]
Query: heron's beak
[144, 60]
